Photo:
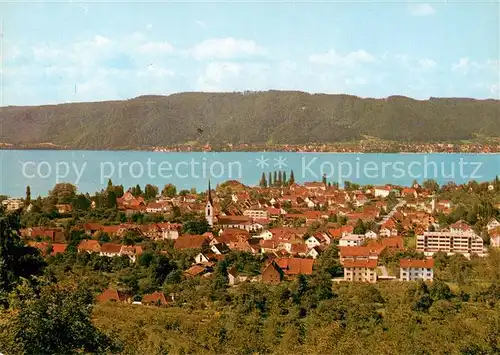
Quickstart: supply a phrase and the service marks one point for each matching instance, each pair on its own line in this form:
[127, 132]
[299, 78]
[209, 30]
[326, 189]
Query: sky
[60, 52]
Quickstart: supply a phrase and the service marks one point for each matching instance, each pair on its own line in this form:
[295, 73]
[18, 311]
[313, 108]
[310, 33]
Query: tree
[280, 178]
[292, 178]
[150, 192]
[160, 267]
[360, 227]
[16, 259]
[431, 185]
[118, 190]
[284, 178]
[58, 320]
[196, 226]
[110, 185]
[323, 180]
[220, 281]
[169, 190]
[275, 178]
[63, 193]
[27, 200]
[328, 262]
[270, 180]
[111, 199]
[263, 181]
[136, 191]
[81, 203]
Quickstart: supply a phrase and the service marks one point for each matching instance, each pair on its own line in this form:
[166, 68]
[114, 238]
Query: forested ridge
[276, 117]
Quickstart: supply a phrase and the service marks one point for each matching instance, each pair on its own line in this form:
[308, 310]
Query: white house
[414, 269]
[157, 207]
[12, 204]
[493, 224]
[265, 234]
[201, 258]
[351, 240]
[495, 241]
[382, 191]
[371, 235]
[312, 242]
[313, 253]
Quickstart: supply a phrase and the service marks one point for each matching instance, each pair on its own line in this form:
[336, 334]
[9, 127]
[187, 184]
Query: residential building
[113, 295]
[360, 271]
[453, 242]
[493, 224]
[12, 204]
[414, 269]
[351, 240]
[272, 274]
[188, 241]
[256, 213]
[382, 191]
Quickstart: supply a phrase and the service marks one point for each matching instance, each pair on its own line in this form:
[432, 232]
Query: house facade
[414, 269]
[452, 242]
[360, 271]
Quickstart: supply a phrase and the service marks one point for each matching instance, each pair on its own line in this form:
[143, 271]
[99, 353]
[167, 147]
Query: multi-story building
[256, 213]
[414, 269]
[360, 271]
[12, 204]
[454, 242]
[351, 240]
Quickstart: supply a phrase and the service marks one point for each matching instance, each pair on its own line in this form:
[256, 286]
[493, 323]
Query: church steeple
[209, 195]
[209, 207]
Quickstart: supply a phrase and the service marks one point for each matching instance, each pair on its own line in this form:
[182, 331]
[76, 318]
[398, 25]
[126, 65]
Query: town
[370, 233]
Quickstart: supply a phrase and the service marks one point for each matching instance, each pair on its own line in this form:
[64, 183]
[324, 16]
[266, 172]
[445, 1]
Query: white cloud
[421, 9]
[348, 60]
[229, 76]
[226, 48]
[465, 65]
[495, 90]
[156, 47]
[356, 81]
[427, 64]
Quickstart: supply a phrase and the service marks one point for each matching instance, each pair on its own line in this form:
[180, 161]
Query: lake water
[90, 170]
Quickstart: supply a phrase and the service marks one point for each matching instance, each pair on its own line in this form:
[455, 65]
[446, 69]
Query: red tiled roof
[111, 248]
[416, 263]
[195, 270]
[111, 295]
[360, 251]
[295, 266]
[393, 242]
[154, 298]
[89, 245]
[189, 241]
[372, 264]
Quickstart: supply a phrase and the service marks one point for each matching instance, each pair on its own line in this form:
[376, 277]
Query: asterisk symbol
[280, 162]
[262, 162]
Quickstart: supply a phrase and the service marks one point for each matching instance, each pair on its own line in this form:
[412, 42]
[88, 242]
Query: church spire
[209, 195]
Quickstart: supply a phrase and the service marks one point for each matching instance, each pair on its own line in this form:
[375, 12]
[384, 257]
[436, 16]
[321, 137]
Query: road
[401, 203]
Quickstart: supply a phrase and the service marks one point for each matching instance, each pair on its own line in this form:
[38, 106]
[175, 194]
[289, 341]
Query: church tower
[209, 207]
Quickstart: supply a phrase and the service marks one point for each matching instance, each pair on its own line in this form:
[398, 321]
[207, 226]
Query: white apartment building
[351, 240]
[461, 242]
[12, 204]
[360, 271]
[414, 269]
[257, 213]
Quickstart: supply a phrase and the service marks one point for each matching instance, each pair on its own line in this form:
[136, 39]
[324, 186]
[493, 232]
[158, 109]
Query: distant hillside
[260, 117]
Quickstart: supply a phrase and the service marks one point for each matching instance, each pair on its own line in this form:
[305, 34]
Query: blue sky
[90, 51]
